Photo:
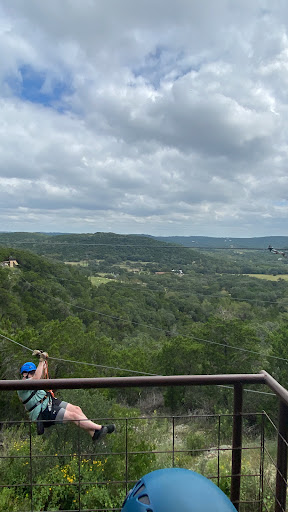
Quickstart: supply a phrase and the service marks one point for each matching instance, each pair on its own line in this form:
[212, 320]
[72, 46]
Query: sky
[156, 117]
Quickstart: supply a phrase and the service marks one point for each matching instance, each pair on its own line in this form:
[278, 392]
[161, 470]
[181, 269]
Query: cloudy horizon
[153, 117]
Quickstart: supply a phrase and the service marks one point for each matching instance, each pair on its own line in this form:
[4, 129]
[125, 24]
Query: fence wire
[43, 473]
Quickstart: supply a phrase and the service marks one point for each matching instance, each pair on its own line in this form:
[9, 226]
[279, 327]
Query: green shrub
[196, 441]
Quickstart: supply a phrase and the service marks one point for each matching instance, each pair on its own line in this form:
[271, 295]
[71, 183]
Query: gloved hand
[42, 355]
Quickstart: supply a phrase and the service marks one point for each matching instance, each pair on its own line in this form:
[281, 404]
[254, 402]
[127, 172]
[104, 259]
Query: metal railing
[127, 453]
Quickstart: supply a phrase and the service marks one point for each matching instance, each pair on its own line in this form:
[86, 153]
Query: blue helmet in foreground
[176, 490]
[28, 367]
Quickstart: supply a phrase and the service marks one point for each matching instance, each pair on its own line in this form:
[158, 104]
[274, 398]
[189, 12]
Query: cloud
[144, 117]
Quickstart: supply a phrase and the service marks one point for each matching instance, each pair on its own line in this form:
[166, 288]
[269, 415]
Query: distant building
[9, 263]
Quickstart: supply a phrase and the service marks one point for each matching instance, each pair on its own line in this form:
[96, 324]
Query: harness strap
[30, 396]
[37, 403]
[46, 375]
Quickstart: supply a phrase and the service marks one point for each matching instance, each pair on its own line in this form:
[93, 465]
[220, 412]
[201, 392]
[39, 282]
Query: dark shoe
[105, 429]
[111, 428]
[99, 434]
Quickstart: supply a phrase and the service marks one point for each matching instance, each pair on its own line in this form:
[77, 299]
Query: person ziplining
[47, 410]
[275, 251]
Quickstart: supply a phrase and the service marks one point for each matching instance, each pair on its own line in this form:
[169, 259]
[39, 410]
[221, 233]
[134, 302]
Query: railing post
[261, 469]
[173, 441]
[31, 470]
[126, 455]
[281, 476]
[79, 467]
[218, 451]
[237, 445]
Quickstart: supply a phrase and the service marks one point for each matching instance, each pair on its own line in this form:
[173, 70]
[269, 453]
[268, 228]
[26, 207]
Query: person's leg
[75, 414]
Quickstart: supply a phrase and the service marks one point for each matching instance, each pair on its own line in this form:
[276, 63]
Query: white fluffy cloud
[151, 117]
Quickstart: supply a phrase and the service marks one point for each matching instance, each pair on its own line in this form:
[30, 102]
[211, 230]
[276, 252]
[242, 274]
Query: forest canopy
[124, 310]
[142, 310]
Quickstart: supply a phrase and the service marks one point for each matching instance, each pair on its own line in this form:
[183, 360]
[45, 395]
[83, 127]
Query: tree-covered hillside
[136, 320]
[98, 246]
[198, 321]
[108, 252]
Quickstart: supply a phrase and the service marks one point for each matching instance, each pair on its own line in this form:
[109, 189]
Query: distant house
[9, 263]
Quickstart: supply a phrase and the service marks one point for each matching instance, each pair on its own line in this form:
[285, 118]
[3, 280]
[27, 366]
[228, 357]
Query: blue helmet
[28, 367]
[176, 489]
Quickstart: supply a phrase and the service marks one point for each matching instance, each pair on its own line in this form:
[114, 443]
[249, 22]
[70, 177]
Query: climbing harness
[46, 376]
[43, 356]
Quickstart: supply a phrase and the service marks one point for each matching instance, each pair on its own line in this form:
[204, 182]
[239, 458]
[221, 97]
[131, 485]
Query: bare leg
[75, 414]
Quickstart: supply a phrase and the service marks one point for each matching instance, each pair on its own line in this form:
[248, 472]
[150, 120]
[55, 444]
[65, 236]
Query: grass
[269, 277]
[96, 281]
[75, 263]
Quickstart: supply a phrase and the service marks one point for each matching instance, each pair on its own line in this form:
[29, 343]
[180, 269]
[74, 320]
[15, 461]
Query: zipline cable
[219, 296]
[203, 295]
[16, 342]
[80, 362]
[125, 370]
[189, 336]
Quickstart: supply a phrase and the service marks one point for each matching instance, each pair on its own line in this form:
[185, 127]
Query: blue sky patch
[39, 87]
[151, 68]
[163, 61]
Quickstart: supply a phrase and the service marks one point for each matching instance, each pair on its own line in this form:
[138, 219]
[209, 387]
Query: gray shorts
[61, 411]
[55, 414]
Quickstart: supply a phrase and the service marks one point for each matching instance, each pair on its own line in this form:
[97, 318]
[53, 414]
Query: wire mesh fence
[63, 470]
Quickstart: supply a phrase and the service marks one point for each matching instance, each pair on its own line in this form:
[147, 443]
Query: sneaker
[111, 428]
[105, 429]
[99, 434]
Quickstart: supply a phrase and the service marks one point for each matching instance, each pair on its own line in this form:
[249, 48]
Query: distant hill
[107, 252]
[279, 242]
[28, 239]
[109, 247]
